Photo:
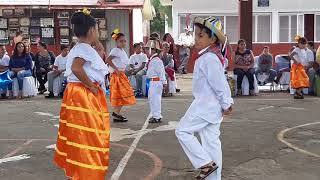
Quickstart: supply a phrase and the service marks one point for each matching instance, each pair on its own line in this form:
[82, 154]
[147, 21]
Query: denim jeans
[20, 75]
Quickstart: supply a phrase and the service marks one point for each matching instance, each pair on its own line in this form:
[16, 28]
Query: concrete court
[253, 139]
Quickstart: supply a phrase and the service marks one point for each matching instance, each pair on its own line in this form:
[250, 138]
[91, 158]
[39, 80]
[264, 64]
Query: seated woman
[244, 62]
[265, 63]
[20, 66]
[168, 63]
[44, 60]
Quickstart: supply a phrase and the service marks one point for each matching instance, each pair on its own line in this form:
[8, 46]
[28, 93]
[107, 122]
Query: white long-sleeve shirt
[210, 88]
[156, 69]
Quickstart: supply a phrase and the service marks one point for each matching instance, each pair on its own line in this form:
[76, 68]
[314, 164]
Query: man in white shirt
[186, 41]
[137, 67]
[212, 101]
[59, 67]
[4, 66]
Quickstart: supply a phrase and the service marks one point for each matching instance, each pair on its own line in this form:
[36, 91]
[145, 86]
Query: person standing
[156, 74]
[82, 148]
[314, 68]
[59, 67]
[121, 92]
[265, 64]
[301, 62]
[137, 67]
[244, 62]
[186, 42]
[44, 60]
[168, 63]
[20, 66]
[211, 102]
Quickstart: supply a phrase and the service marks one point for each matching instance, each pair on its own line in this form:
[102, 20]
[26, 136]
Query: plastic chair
[245, 85]
[29, 87]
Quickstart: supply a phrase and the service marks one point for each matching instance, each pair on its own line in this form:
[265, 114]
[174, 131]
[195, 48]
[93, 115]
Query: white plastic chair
[29, 87]
[245, 85]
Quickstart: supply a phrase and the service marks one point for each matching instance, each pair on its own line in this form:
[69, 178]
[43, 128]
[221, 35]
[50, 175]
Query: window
[290, 26]
[317, 28]
[261, 28]
[232, 28]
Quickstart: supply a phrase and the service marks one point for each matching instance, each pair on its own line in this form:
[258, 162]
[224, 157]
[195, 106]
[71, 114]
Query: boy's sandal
[154, 120]
[205, 171]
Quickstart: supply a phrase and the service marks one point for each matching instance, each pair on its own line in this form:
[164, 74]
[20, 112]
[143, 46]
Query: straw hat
[215, 25]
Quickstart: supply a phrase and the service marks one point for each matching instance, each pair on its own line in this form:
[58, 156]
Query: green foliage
[158, 22]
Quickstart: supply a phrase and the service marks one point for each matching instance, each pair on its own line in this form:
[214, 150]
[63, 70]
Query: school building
[274, 22]
[49, 20]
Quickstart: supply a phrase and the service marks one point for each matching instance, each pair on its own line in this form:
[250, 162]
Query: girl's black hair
[16, 53]
[119, 35]
[241, 41]
[302, 40]
[165, 36]
[82, 23]
[43, 44]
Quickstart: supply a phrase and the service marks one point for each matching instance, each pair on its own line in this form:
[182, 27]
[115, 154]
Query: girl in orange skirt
[82, 148]
[121, 92]
[301, 63]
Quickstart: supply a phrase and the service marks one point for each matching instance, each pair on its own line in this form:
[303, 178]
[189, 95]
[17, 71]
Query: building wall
[137, 26]
[118, 19]
[230, 7]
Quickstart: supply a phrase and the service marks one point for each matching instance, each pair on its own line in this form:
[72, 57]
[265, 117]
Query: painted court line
[293, 108]
[264, 108]
[18, 149]
[281, 139]
[14, 158]
[123, 163]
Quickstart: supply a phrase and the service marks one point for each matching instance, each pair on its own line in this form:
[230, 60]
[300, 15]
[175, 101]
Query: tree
[158, 22]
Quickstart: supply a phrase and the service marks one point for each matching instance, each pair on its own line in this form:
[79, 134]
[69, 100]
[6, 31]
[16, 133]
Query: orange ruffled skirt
[121, 92]
[299, 77]
[82, 148]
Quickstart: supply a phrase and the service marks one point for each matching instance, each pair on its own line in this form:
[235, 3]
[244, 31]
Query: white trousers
[154, 96]
[203, 153]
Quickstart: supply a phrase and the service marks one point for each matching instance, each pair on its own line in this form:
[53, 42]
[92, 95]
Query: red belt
[155, 79]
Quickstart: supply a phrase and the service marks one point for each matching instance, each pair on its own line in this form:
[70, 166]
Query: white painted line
[123, 163]
[44, 114]
[53, 146]
[281, 138]
[14, 158]
[293, 108]
[264, 108]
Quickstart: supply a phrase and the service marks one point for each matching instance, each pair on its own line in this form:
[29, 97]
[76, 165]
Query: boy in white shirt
[212, 100]
[157, 75]
[137, 66]
[59, 67]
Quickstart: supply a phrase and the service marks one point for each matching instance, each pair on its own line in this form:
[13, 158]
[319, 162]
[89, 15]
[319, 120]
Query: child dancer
[158, 81]
[121, 92]
[212, 100]
[301, 63]
[83, 139]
